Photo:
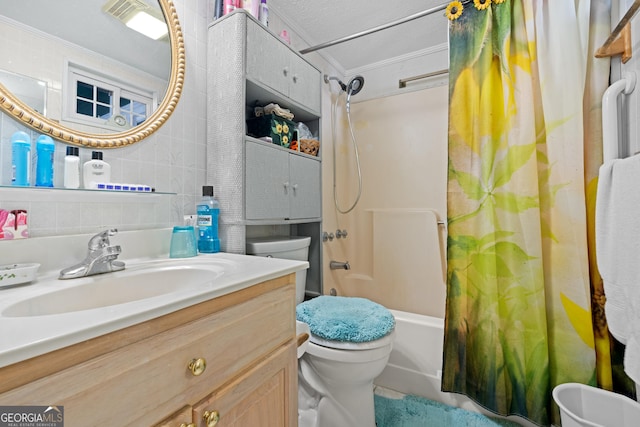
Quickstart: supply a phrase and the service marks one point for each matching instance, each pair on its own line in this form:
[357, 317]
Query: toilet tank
[284, 247]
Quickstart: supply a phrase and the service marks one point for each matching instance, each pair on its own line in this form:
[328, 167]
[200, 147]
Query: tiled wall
[172, 160]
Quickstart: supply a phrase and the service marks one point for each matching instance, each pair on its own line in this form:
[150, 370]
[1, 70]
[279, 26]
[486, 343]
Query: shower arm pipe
[610, 139]
[379, 28]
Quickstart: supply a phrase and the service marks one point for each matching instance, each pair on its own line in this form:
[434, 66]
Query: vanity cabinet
[280, 185]
[263, 188]
[233, 357]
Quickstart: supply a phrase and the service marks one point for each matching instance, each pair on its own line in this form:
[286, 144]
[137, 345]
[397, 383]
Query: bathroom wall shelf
[42, 194]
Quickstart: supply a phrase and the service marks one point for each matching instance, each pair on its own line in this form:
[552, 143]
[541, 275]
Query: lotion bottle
[208, 210]
[96, 170]
[20, 159]
[44, 164]
[72, 168]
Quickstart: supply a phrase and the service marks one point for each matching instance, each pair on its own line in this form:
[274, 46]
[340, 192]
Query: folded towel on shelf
[618, 253]
[259, 111]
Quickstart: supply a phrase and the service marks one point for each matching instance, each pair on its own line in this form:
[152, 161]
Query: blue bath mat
[414, 411]
[349, 319]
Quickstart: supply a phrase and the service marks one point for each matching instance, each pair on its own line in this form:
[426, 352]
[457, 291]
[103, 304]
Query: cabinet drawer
[265, 395]
[107, 390]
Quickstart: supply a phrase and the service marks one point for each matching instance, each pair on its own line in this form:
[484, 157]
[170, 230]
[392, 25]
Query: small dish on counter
[17, 274]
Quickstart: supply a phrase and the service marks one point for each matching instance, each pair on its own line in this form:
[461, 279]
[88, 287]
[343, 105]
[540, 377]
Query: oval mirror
[139, 70]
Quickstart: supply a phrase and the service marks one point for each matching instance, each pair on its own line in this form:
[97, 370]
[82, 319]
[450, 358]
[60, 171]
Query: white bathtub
[415, 364]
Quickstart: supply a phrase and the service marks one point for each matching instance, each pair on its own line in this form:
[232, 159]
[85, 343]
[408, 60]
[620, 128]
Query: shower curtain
[524, 148]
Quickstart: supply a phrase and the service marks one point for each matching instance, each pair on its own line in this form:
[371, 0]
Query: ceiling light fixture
[148, 25]
[139, 16]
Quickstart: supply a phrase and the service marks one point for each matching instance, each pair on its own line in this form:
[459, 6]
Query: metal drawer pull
[197, 366]
[211, 418]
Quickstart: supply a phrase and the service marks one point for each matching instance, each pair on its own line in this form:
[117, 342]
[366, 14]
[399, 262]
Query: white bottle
[263, 13]
[96, 170]
[72, 168]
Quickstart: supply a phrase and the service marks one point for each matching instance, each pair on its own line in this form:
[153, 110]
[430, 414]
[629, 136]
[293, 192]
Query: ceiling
[83, 23]
[315, 22]
[321, 21]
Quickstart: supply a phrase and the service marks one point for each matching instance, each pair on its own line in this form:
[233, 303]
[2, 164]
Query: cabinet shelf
[260, 94]
[277, 147]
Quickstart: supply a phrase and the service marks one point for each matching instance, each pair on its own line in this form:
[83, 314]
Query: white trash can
[585, 406]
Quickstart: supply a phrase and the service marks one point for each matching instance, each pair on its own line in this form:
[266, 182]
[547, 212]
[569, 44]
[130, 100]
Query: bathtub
[415, 363]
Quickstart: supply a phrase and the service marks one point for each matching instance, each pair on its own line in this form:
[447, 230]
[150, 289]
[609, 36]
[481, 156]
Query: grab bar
[610, 140]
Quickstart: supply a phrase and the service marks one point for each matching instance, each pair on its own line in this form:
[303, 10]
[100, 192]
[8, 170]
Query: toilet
[350, 340]
[350, 343]
[285, 247]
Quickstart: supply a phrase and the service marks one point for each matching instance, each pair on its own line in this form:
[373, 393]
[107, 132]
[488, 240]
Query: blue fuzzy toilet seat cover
[347, 319]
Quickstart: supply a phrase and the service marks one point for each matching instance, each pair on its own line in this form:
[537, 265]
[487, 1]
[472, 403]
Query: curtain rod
[402, 83]
[378, 28]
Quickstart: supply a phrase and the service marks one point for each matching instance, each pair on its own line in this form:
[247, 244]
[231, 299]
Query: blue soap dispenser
[208, 210]
[44, 164]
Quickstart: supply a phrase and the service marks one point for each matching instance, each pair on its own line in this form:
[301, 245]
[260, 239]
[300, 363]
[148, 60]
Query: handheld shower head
[353, 87]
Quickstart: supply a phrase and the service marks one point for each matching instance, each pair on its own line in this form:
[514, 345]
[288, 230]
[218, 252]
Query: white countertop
[26, 336]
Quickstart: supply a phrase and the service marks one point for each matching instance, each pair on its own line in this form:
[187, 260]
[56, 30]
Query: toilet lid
[345, 319]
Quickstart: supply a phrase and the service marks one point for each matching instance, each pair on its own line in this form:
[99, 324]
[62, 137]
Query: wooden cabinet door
[305, 196]
[267, 184]
[264, 396]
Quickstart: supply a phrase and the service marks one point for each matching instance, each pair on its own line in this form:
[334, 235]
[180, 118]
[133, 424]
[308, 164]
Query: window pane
[104, 96]
[125, 104]
[140, 108]
[85, 108]
[138, 119]
[104, 111]
[84, 90]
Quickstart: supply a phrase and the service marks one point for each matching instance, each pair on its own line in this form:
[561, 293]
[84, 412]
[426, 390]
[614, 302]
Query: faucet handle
[101, 240]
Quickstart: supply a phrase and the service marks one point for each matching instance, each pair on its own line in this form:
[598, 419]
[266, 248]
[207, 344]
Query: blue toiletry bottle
[20, 159]
[44, 164]
[208, 210]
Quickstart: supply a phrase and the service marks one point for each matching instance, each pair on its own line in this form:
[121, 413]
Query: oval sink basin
[113, 289]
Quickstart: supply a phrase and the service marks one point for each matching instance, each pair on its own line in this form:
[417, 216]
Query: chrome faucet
[337, 265]
[101, 258]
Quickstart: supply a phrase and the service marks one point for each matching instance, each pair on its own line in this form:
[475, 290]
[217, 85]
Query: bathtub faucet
[337, 265]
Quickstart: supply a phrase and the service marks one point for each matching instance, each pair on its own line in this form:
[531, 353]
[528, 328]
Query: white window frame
[119, 90]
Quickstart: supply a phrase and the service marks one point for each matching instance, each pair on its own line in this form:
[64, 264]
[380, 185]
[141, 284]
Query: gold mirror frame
[13, 106]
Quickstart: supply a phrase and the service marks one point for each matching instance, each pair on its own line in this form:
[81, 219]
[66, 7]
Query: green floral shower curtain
[524, 91]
